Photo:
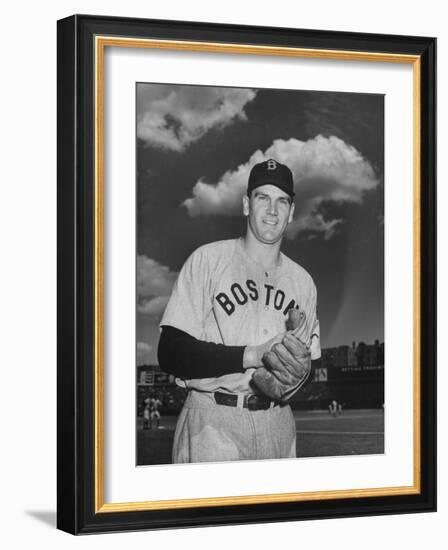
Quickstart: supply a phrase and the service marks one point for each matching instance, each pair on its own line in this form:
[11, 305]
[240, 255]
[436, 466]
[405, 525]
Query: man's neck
[267, 255]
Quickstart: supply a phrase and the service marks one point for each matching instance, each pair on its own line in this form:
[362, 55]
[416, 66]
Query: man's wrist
[250, 357]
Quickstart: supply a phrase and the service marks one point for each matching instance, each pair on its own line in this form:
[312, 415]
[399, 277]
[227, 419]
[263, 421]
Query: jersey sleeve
[313, 326]
[190, 302]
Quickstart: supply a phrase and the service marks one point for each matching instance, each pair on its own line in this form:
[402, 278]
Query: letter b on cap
[272, 165]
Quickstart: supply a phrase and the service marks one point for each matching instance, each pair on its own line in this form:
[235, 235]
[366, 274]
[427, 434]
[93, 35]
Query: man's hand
[287, 364]
[253, 355]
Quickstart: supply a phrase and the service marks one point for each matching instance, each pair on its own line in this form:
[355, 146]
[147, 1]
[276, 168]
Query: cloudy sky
[195, 148]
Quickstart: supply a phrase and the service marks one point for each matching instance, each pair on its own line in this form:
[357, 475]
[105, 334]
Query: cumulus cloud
[154, 306]
[143, 353]
[324, 169]
[173, 117]
[154, 285]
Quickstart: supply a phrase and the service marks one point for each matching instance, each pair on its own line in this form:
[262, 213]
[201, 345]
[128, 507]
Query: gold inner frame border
[101, 42]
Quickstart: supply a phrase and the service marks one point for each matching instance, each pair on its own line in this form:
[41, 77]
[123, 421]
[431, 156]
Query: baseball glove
[288, 364]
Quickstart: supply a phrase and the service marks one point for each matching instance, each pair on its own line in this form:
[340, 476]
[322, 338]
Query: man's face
[269, 211]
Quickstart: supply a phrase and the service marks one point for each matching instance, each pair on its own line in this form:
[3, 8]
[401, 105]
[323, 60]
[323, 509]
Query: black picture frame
[79, 495]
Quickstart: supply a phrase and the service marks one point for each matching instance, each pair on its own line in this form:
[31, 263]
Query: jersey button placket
[266, 274]
[266, 307]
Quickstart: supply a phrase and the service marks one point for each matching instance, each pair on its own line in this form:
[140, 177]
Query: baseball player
[154, 415]
[239, 332]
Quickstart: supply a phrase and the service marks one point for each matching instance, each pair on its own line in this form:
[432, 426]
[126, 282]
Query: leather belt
[251, 402]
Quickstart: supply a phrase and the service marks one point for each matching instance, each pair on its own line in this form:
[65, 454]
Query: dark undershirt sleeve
[181, 354]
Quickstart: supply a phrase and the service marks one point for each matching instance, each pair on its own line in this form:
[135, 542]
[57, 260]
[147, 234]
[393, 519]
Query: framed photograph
[246, 274]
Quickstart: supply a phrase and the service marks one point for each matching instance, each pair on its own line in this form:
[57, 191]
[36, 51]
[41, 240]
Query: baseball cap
[271, 172]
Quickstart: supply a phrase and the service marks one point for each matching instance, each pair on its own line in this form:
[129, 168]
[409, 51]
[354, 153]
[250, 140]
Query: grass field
[354, 432]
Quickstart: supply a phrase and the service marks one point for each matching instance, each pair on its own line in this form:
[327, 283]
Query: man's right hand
[253, 355]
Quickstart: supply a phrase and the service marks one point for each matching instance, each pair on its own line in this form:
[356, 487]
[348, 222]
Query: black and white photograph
[259, 274]
[151, 146]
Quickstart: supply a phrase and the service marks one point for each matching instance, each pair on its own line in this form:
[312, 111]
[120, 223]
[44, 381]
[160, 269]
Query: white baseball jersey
[223, 296]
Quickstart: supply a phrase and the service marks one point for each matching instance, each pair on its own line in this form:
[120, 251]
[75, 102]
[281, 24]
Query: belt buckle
[251, 401]
[257, 402]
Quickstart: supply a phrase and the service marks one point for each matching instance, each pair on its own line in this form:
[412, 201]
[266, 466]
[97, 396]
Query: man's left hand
[286, 368]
